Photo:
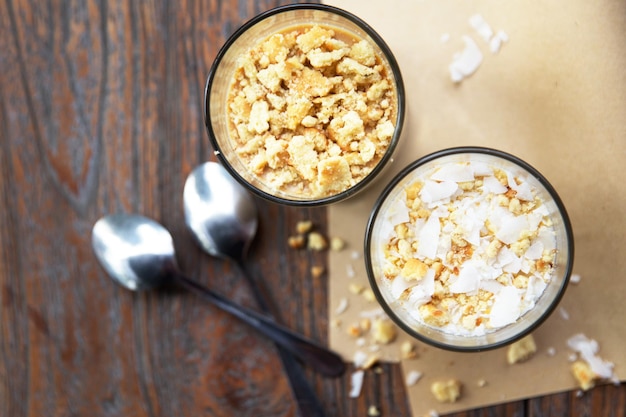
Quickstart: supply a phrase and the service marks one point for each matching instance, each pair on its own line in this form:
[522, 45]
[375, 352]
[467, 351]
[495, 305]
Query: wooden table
[100, 112]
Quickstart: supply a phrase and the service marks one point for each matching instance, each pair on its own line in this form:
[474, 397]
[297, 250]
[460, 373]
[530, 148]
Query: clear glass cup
[403, 312]
[257, 29]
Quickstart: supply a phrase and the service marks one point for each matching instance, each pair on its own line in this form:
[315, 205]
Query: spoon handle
[318, 357]
[307, 400]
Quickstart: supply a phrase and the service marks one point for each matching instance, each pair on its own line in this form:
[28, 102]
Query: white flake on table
[465, 63]
[412, 377]
[356, 383]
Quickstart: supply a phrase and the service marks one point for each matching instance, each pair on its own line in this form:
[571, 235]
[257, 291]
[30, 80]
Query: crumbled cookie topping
[312, 110]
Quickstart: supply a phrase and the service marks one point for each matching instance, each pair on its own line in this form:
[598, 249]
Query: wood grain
[100, 112]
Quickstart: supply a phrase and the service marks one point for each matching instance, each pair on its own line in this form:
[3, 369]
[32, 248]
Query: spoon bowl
[136, 252]
[219, 211]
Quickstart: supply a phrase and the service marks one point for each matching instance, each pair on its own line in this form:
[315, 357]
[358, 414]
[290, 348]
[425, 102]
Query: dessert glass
[217, 117]
[410, 306]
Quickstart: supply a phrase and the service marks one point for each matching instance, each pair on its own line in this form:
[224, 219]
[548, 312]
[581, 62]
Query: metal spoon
[138, 253]
[222, 216]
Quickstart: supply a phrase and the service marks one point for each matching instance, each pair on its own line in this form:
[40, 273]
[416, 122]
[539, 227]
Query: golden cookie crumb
[296, 242]
[304, 226]
[317, 271]
[373, 411]
[448, 391]
[521, 350]
[337, 244]
[316, 241]
[368, 294]
[414, 269]
[407, 350]
[383, 331]
[356, 289]
[365, 324]
[354, 330]
[584, 375]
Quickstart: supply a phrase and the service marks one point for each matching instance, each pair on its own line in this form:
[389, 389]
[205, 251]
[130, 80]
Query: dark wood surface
[100, 112]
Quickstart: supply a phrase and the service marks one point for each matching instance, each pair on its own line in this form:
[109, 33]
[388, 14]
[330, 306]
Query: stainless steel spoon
[138, 253]
[222, 216]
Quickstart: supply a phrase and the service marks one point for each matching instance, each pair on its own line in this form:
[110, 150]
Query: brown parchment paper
[555, 95]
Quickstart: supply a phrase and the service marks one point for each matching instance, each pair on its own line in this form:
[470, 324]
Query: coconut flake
[359, 359]
[574, 278]
[399, 285]
[506, 308]
[534, 251]
[564, 314]
[497, 40]
[522, 191]
[510, 227]
[350, 271]
[551, 351]
[588, 349]
[466, 62]
[509, 261]
[481, 26]
[412, 377]
[424, 290]
[398, 213]
[454, 173]
[372, 314]
[492, 185]
[536, 287]
[433, 191]
[342, 306]
[428, 238]
[356, 383]
[468, 279]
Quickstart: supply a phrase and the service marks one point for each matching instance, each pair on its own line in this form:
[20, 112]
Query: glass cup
[221, 128]
[487, 253]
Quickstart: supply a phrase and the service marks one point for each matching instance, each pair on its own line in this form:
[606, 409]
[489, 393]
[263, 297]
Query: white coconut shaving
[356, 383]
[588, 350]
[373, 314]
[465, 63]
[551, 351]
[563, 313]
[412, 378]
[496, 42]
[481, 27]
[359, 359]
[342, 306]
[575, 278]
[484, 30]
[350, 271]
